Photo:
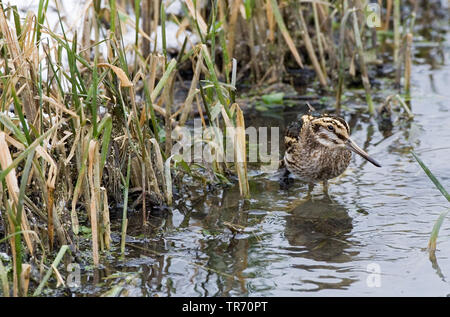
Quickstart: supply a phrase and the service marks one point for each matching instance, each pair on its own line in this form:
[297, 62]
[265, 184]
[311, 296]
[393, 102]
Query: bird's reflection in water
[322, 228]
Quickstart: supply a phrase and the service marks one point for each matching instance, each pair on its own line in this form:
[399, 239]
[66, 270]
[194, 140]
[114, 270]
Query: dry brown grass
[84, 112]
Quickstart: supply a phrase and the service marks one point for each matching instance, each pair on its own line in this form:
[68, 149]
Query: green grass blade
[126, 184]
[55, 263]
[435, 232]
[149, 107]
[23, 184]
[94, 106]
[432, 177]
[163, 31]
[214, 79]
[163, 80]
[7, 122]
[42, 9]
[105, 124]
[112, 5]
[17, 21]
[440, 220]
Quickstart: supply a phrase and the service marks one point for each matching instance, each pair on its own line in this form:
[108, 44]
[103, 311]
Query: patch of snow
[5, 257]
[174, 43]
[173, 7]
[9, 113]
[101, 111]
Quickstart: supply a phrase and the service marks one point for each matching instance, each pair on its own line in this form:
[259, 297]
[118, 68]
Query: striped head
[329, 131]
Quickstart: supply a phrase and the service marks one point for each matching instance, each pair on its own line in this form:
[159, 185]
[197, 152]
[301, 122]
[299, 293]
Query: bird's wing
[292, 133]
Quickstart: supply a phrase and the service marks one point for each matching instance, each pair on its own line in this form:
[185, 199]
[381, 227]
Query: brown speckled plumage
[319, 148]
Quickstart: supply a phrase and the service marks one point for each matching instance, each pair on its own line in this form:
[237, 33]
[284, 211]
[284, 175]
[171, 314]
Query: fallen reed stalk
[312, 55]
[362, 64]
[284, 31]
[408, 64]
[397, 35]
[340, 85]
[319, 36]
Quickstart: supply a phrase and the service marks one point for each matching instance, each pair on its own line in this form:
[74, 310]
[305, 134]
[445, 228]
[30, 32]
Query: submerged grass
[87, 108]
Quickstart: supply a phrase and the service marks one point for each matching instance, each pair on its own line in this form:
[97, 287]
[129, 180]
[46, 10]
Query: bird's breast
[317, 164]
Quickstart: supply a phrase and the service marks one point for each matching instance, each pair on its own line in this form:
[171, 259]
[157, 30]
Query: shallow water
[369, 240]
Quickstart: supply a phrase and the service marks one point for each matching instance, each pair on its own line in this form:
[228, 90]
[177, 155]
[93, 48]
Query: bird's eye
[331, 128]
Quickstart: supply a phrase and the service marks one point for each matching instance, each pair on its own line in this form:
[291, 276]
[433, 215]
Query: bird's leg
[310, 190]
[325, 191]
[325, 187]
[286, 174]
[284, 180]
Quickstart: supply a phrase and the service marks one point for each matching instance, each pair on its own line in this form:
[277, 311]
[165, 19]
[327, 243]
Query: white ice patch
[173, 7]
[4, 257]
[102, 111]
[9, 113]
[72, 18]
[70, 11]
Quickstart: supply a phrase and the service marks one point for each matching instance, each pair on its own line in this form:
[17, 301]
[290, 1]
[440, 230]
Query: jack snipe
[319, 148]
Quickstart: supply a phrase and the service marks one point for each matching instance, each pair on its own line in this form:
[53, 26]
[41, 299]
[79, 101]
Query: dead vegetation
[88, 121]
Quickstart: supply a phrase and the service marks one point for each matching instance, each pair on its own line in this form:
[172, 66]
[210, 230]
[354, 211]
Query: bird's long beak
[355, 148]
